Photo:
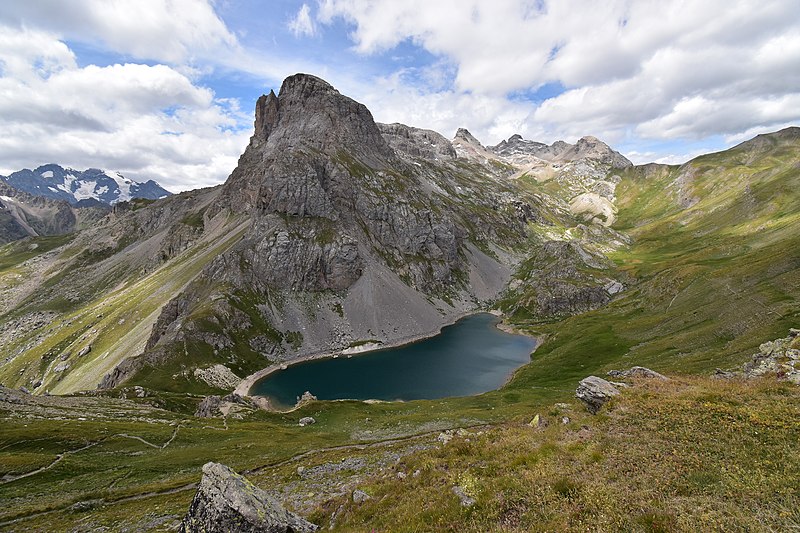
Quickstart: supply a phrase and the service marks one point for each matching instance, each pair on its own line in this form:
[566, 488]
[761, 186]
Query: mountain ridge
[73, 186]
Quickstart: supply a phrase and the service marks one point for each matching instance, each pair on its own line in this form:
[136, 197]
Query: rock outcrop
[780, 357]
[638, 372]
[226, 501]
[595, 392]
[417, 143]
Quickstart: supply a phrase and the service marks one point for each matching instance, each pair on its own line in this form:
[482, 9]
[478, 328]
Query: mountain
[73, 186]
[25, 215]
[327, 222]
[335, 232]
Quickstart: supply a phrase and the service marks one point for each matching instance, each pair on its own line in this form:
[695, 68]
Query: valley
[335, 232]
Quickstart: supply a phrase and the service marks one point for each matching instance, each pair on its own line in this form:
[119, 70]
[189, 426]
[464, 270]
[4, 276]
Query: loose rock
[359, 496]
[466, 500]
[594, 392]
[307, 421]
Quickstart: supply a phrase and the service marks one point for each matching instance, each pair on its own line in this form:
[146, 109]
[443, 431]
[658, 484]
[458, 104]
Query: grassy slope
[687, 455]
[116, 324]
[712, 282]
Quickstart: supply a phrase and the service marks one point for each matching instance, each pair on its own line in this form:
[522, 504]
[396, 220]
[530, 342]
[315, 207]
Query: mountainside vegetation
[334, 232]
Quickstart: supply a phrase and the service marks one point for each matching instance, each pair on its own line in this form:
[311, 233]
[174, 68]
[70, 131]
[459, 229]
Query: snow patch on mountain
[58, 183]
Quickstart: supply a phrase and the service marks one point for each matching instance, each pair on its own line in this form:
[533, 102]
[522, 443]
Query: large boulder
[594, 392]
[226, 501]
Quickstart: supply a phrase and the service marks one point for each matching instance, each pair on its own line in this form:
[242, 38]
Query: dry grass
[688, 455]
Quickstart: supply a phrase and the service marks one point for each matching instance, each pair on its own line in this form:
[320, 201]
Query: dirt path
[193, 485]
[61, 456]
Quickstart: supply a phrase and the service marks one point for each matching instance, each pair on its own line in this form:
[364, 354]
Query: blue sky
[165, 89]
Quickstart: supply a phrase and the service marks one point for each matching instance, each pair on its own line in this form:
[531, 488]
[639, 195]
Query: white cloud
[302, 25]
[145, 121]
[166, 30]
[651, 69]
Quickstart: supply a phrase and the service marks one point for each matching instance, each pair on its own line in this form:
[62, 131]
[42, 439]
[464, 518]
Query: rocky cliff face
[417, 143]
[25, 215]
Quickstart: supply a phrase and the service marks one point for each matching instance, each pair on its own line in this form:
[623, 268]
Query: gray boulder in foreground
[226, 501]
[594, 392]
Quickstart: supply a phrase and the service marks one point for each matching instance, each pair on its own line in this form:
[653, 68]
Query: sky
[165, 89]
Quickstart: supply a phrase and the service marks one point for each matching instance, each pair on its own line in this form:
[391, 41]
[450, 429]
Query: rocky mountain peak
[592, 147]
[466, 145]
[464, 135]
[266, 116]
[60, 183]
[309, 112]
[519, 151]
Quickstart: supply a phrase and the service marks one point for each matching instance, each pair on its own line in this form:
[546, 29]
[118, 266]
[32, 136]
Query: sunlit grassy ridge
[692, 454]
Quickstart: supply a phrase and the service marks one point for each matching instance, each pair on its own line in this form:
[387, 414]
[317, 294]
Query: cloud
[145, 121]
[173, 31]
[649, 69]
[302, 25]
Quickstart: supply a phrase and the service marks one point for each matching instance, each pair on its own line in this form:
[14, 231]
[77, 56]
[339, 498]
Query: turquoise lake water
[470, 357]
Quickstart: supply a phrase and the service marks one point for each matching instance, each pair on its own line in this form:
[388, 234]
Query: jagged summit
[308, 112]
[302, 137]
[519, 150]
[466, 145]
[463, 134]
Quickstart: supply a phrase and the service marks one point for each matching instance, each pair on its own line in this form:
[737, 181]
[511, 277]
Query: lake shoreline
[243, 389]
[245, 386]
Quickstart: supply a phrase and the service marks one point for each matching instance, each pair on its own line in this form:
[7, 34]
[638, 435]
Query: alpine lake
[469, 357]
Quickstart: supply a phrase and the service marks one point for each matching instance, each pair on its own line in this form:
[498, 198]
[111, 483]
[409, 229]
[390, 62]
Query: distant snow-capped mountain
[58, 183]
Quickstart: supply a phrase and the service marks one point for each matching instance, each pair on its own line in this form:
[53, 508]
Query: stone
[359, 496]
[638, 372]
[307, 421]
[209, 407]
[218, 376]
[594, 392]
[445, 437]
[466, 500]
[565, 420]
[537, 422]
[724, 374]
[85, 351]
[794, 332]
[306, 397]
[226, 501]
[614, 287]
